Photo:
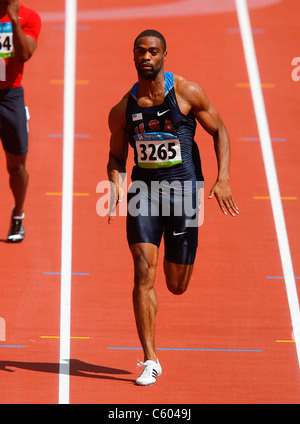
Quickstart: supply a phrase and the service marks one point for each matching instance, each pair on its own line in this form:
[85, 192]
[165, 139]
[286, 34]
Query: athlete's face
[149, 57]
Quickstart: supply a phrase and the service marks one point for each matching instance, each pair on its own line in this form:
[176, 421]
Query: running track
[228, 339]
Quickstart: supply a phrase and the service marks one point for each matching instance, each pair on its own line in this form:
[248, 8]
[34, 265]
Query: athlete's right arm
[118, 152]
[24, 44]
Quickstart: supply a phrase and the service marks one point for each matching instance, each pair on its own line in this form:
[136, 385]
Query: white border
[270, 167]
[67, 199]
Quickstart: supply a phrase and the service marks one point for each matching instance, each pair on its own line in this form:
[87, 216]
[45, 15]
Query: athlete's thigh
[14, 131]
[180, 234]
[144, 223]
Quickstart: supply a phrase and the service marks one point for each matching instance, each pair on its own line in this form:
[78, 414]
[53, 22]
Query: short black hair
[152, 33]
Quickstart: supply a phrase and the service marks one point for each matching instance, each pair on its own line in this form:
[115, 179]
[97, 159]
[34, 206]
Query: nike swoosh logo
[162, 113]
[178, 234]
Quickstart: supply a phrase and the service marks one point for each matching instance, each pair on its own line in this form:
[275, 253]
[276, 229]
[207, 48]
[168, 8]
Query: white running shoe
[151, 371]
[16, 232]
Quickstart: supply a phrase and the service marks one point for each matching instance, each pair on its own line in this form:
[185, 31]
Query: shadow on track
[77, 368]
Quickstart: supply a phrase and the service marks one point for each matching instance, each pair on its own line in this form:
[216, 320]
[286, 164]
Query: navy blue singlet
[163, 139]
[164, 152]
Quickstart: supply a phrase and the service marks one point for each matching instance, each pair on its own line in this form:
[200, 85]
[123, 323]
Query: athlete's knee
[144, 269]
[177, 287]
[16, 165]
[177, 277]
[177, 291]
[144, 273]
[17, 170]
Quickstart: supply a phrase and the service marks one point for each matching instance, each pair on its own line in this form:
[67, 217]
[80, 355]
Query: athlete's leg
[144, 297]
[180, 253]
[177, 276]
[18, 180]
[181, 241]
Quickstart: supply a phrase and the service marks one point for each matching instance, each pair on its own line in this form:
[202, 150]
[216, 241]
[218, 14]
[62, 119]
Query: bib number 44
[5, 43]
[6, 40]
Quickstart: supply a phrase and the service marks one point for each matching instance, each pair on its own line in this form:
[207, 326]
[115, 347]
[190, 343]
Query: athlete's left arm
[24, 44]
[209, 118]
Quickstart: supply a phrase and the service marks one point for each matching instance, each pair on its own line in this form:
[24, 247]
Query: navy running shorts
[13, 121]
[171, 212]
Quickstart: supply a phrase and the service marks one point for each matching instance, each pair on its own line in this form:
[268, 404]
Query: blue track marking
[188, 349]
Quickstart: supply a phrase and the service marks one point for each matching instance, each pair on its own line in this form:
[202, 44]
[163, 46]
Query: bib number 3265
[157, 150]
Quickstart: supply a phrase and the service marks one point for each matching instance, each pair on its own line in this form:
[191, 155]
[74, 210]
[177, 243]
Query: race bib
[6, 40]
[157, 150]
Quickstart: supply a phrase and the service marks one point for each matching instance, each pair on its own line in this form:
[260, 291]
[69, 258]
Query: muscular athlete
[157, 118]
[19, 31]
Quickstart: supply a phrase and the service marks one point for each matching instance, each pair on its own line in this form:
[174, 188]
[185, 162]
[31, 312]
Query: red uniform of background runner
[30, 23]
[19, 31]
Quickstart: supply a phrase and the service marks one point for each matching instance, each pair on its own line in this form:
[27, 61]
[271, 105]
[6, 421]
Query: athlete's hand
[116, 197]
[12, 9]
[222, 192]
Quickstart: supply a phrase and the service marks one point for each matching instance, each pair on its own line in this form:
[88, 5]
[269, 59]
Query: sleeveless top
[163, 139]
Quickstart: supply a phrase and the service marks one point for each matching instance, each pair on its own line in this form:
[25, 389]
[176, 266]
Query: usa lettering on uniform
[154, 125]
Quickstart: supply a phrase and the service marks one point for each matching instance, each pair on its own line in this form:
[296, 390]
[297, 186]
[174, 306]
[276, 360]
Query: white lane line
[270, 167]
[67, 200]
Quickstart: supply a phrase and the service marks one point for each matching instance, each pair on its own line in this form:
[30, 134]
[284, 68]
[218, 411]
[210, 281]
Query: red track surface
[230, 303]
